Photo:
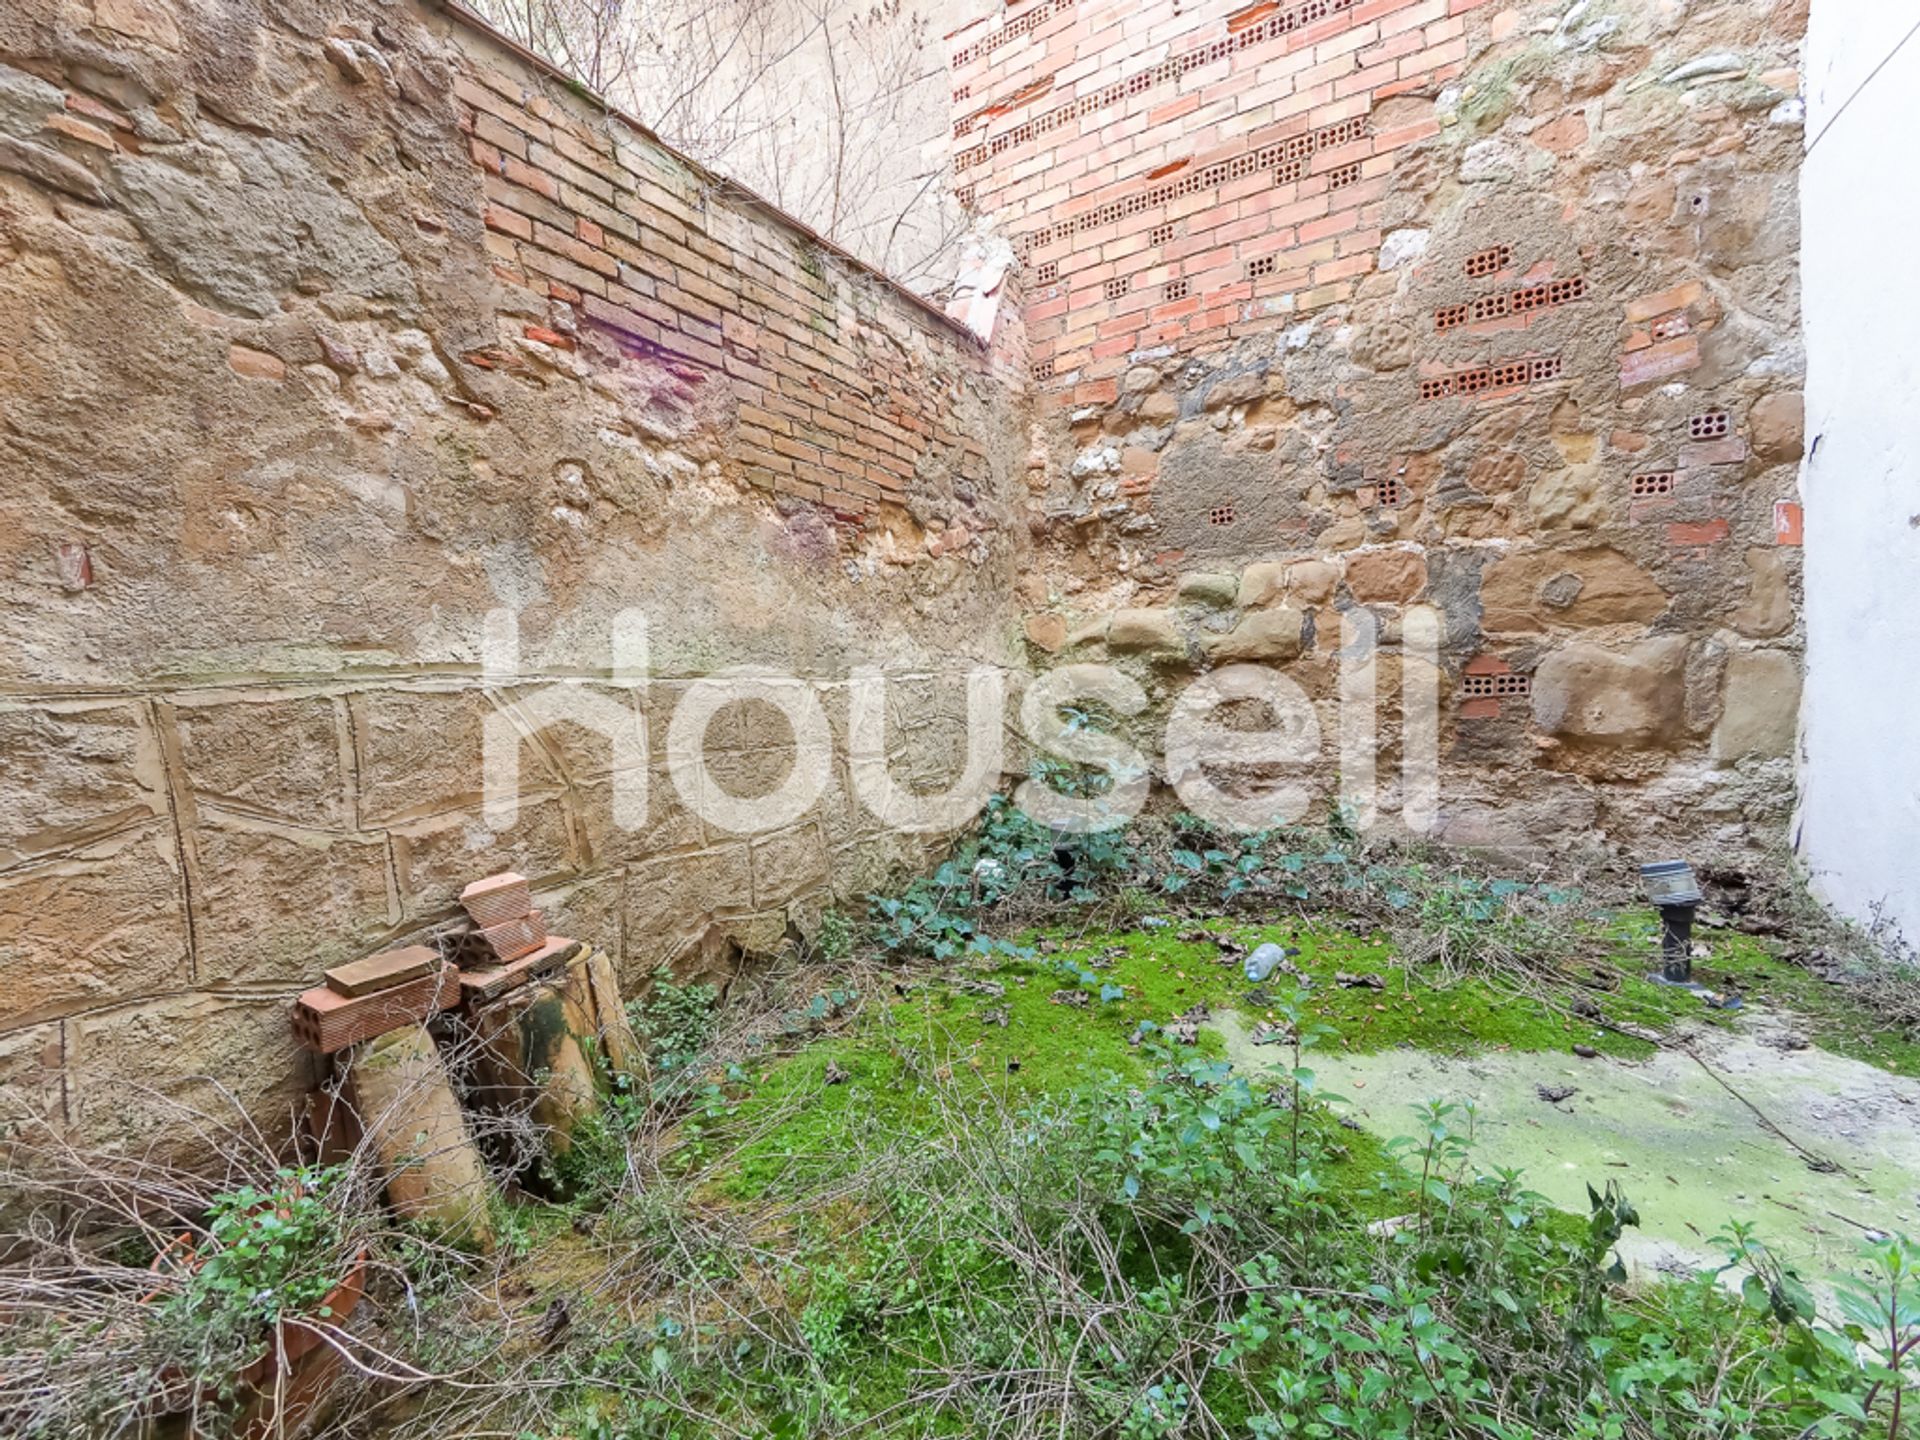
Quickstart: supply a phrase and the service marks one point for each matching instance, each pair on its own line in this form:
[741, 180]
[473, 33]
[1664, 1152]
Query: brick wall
[1482, 309]
[1178, 174]
[629, 241]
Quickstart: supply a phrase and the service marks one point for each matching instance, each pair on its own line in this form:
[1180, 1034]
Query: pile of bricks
[409, 986]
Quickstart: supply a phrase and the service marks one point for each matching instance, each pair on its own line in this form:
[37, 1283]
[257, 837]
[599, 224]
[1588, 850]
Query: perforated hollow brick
[497, 899]
[519, 936]
[325, 1021]
[1169, 71]
[1178, 289]
[1514, 302]
[1494, 686]
[1652, 482]
[1711, 425]
[1286, 158]
[1023, 23]
[1483, 379]
[1490, 261]
[479, 986]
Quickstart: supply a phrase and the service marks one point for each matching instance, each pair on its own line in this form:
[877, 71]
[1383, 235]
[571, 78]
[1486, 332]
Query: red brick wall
[1176, 174]
[822, 367]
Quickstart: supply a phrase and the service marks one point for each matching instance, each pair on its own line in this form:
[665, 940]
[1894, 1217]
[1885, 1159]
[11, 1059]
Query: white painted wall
[1860, 222]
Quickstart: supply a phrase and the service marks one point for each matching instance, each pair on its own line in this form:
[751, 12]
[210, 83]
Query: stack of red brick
[408, 986]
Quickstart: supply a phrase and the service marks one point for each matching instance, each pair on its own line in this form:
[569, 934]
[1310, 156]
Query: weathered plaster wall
[327, 329]
[1861, 776]
[1488, 308]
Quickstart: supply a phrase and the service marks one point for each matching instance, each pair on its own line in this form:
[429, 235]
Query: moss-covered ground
[795, 1189]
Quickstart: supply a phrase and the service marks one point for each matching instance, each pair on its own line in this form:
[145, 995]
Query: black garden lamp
[1676, 895]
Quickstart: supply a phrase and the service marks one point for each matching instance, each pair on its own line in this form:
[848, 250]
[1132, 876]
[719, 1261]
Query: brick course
[1082, 131]
[648, 258]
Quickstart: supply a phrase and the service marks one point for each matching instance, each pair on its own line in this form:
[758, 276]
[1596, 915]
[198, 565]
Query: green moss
[1007, 1048]
[1838, 1017]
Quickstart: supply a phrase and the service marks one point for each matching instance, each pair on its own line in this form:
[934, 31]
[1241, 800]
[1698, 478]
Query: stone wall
[1388, 305]
[335, 334]
[329, 330]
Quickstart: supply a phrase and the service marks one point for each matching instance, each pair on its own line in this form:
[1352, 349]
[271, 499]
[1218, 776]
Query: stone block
[1778, 425]
[422, 753]
[1145, 631]
[72, 772]
[1214, 590]
[1047, 632]
[611, 734]
[168, 1075]
[1386, 576]
[285, 758]
[1768, 610]
[1262, 635]
[787, 864]
[1759, 707]
[671, 901]
[435, 858]
[671, 825]
[1635, 696]
[587, 909]
[1540, 589]
[1262, 583]
[1312, 582]
[275, 903]
[1572, 499]
[92, 928]
[404, 1101]
[31, 1090]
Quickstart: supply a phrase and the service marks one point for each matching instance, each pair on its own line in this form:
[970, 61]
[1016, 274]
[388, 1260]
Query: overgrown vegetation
[976, 1168]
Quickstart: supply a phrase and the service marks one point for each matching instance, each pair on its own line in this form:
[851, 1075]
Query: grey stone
[1403, 247]
[26, 101]
[1722, 64]
[246, 218]
[1219, 591]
